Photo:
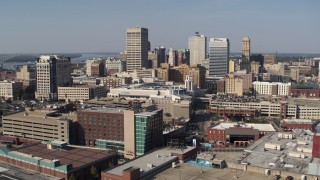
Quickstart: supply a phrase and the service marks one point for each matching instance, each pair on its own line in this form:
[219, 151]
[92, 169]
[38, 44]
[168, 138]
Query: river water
[83, 57]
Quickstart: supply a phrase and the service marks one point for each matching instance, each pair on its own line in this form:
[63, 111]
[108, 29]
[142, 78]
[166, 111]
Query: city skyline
[96, 26]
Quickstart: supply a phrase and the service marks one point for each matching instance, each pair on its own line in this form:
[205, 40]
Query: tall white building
[137, 48]
[172, 57]
[219, 50]
[198, 48]
[52, 71]
[267, 88]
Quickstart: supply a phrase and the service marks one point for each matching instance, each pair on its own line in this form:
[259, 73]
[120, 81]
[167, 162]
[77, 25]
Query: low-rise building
[293, 124]
[38, 126]
[85, 80]
[267, 88]
[147, 166]
[294, 154]
[114, 66]
[81, 93]
[56, 158]
[306, 93]
[237, 134]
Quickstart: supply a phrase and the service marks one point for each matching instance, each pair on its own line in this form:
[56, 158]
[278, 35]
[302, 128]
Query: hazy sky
[288, 26]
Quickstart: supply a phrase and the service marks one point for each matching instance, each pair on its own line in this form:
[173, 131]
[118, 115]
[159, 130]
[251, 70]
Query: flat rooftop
[260, 127]
[35, 115]
[298, 121]
[75, 155]
[260, 156]
[156, 158]
[103, 110]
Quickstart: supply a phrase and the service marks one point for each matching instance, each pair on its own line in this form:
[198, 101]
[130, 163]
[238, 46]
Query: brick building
[230, 111]
[293, 124]
[236, 133]
[59, 160]
[308, 93]
[100, 123]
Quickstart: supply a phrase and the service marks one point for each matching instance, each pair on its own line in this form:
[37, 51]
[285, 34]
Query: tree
[94, 173]
[72, 177]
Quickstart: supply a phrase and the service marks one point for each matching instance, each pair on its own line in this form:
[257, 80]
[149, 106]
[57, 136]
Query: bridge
[22, 57]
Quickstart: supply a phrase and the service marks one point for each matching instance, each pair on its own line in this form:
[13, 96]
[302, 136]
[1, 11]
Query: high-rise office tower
[198, 48]
[52, 71]
[172, 57]
[218, 57]
[161, 55]
[137, 48]
[245, 63]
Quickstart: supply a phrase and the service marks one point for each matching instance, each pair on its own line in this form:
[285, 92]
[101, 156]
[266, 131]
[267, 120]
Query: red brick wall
[215, 135]
[131, 175]
[82, 173]
[316, 146]
[312, 93]
[97, 130]
[105, 175]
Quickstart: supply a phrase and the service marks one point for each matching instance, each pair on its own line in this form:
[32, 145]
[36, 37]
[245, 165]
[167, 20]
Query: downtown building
[27, 75]
[81, 93]
[10, 90]
[137, 46]
[52, 71]
[218, 57]
[132, 132]
[39, 126]
[246, 53]
[198, 48]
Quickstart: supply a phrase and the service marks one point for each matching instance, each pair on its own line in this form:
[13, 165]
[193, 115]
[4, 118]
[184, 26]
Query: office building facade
[143, 132]
[100, 123]
[52, 71]
[10, 90]
[246, 52]
[219, 49]
[137, 48]
[198, 48]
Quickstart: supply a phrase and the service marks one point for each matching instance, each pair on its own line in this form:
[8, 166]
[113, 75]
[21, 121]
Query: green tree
[94, 173]
[72, 177]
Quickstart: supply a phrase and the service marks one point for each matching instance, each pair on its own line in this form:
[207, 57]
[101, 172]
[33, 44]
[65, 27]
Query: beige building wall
[164, 72]
[33, 125]
[8, 89]
[233, 85]
[232, 66]
[129, 134]
[255, 67]
[73, 93]
[137, 48]
[269, 59]
[294, 74]
[81, 93]
[25, 73]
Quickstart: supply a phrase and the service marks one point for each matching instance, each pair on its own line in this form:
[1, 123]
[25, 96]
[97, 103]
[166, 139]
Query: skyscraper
[218, 56]
[246, 52]
[161, 55]
[137, 48]
[198, 48]
[52, 71]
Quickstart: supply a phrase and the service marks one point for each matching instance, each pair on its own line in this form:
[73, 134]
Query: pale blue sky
[288, 26]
